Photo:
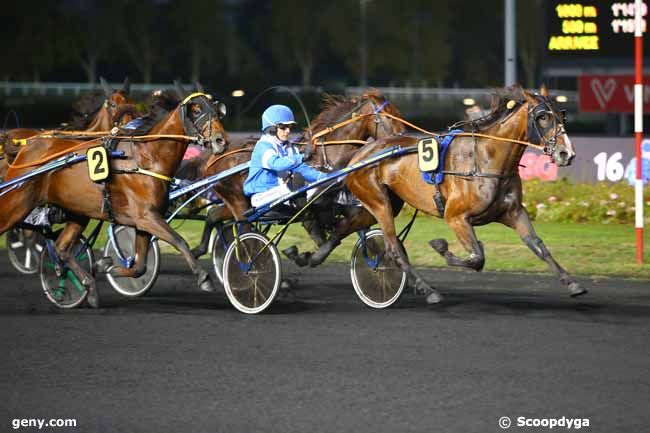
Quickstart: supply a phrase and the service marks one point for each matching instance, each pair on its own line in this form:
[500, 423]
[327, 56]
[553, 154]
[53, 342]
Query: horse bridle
[538, 134]
[194, 126]
[378, 121]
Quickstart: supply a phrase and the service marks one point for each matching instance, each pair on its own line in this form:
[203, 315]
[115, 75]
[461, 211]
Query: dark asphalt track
[182, 361]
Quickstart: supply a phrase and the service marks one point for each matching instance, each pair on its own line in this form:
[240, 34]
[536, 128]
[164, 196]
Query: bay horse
[365, 119]
[96, 111]
[482, 184]
[137, 193]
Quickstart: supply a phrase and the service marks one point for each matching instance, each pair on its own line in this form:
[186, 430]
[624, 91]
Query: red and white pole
[638, 126]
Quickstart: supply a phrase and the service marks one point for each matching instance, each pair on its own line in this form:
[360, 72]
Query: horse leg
[357, 219]
[467, 237]
[519, 221]
[212, 219]
[378, 204]
[156, 225]
[142, 242]
[16, 205]
[316, 233]
[64, 248]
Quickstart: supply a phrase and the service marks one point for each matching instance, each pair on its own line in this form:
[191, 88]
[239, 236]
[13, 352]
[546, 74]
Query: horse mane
[335, 106]
[161, 103]
[499, 108]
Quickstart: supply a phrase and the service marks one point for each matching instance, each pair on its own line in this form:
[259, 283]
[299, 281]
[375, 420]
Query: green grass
[583, 249]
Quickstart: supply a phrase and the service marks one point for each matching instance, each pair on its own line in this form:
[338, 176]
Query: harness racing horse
[481, 184]
[344, 125]
[96, 111]
[136, 194]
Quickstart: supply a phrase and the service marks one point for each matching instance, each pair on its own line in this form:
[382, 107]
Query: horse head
[115, 99]
[377, 121]
[201, 115]
[546, 127]
[365, 116]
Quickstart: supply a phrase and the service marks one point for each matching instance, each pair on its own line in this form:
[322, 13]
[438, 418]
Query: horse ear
[107, 88]
[126, 86]
[543, 91]
[180, 90]
[199, 87]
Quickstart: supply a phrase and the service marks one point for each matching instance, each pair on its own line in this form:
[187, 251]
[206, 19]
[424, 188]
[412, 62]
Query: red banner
[611, 93]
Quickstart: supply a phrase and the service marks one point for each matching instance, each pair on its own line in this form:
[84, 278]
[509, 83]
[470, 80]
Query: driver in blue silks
[276, 166]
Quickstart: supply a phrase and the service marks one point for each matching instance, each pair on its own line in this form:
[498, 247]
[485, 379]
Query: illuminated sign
[596, 28]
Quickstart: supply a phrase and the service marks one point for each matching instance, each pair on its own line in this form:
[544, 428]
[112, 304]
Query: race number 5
[97, 163]
[428, 154]
[611, 168]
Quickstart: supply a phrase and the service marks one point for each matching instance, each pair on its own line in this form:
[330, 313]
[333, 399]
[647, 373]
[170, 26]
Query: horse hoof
[93, 298]
[434, 298]
[440, 245]
[286, 285]
[207, 286]
[576, 290]
[286, 291]
[291, 253]
[104, 265]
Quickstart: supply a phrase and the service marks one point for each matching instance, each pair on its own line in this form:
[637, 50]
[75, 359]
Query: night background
[242, 44]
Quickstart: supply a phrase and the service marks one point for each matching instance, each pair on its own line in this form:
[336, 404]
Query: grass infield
[583, 249]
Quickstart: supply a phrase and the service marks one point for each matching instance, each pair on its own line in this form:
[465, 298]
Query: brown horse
[96, 111]
[365, 114]
[137, 192]
[482, 184]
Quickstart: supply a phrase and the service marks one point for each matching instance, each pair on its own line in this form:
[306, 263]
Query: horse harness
[110, 143]
[353, 115]
[535, 135]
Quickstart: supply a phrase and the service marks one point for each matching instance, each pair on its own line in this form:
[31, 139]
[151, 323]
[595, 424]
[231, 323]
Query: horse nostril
[564, 155]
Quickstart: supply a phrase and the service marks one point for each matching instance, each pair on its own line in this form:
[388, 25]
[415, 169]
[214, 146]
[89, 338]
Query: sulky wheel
[377, 280]
[61, 286]
[24, 248]
[251, 273]
[131, 286]
[222, 240]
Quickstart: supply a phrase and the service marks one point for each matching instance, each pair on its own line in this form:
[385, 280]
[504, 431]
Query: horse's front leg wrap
[537, 246]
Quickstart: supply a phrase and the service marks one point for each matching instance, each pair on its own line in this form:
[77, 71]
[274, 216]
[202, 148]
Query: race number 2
[97, 163]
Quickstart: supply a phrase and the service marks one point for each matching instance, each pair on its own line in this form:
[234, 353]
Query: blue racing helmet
[275, 115]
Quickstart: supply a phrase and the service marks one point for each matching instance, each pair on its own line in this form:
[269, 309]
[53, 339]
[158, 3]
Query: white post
[510, 65]
[638, 126]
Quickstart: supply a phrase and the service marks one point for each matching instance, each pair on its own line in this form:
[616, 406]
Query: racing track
[182, 361]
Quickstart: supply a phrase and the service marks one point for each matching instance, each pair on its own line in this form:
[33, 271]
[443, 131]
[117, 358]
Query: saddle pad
[435, 150]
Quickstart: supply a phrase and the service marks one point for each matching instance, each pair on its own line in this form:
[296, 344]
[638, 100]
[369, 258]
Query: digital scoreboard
[596, 28]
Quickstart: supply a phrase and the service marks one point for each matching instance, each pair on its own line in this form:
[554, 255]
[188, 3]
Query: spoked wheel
[130, 286]
[61, 286]
[251, 273]
[376, 280]
[24, 248]
[220, 245]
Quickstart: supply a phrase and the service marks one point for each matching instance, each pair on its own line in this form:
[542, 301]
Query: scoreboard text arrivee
[597, 28]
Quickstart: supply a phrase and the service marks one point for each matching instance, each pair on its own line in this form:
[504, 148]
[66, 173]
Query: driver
[276, 166]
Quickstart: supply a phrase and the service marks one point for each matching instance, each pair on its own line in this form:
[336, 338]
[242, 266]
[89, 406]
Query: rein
[407, 123]
[86, 144]
[464, 134]
[213, 159]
